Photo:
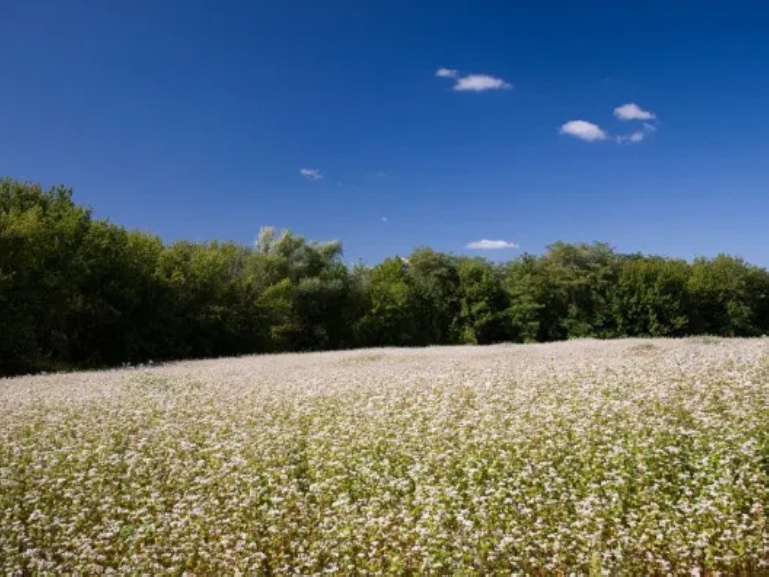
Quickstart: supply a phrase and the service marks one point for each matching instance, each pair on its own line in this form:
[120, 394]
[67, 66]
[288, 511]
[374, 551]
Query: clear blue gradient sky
[193, 119]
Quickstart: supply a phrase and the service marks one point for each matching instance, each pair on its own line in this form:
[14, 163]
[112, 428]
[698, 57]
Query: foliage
[76, 291]
[650, 297]
[482, 317]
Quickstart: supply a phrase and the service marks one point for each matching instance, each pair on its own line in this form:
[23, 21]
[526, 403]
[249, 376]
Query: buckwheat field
[582, 458]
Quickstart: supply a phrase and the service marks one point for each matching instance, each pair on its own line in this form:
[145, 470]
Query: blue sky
[194, 119]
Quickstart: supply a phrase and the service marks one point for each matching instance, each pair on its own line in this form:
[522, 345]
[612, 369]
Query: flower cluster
[586, 458]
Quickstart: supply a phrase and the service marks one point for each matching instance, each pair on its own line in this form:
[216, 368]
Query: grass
[582, 458]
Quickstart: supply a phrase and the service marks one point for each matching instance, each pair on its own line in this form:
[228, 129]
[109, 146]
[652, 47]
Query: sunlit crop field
[588, 458]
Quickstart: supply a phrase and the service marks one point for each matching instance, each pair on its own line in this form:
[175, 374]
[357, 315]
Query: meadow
[629, 457]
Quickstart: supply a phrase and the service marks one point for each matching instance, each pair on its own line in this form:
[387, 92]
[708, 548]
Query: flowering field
[588, 458]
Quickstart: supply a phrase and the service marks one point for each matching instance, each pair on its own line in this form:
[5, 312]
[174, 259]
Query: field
[588, 458]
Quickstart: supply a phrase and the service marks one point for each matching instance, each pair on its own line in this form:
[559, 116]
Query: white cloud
[590, 132]
[637, 136]
[447, 73]
[473, 82]
[583, 130]
[632, 112]
[384, 219]
[491, 245]
[311, 173]
[480, 83]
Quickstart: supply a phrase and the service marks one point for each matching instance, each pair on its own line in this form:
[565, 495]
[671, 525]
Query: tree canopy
[79, 292]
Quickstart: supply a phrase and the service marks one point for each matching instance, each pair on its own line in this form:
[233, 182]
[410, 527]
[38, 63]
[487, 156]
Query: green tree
[483, 315]
[81, 292]
[729, 297]
[308, 292]
[650, 297]
[391, 318]
[433, 280]
[533, 312]
[580, 277]
[111, 319]
[40, 236]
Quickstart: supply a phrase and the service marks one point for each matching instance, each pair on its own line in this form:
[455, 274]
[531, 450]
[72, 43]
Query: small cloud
[583, 130]
[491, 245]
[637, 136]
[633, 112]
[473, 82]
[384, 219]
[480, 83]
[446, 73]
[311, 173]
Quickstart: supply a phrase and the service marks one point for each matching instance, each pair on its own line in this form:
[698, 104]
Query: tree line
[80, 292]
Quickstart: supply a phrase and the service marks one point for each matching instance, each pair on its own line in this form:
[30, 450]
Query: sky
[478, 127]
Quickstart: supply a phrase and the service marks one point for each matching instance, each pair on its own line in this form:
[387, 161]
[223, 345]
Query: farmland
[639, 456]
